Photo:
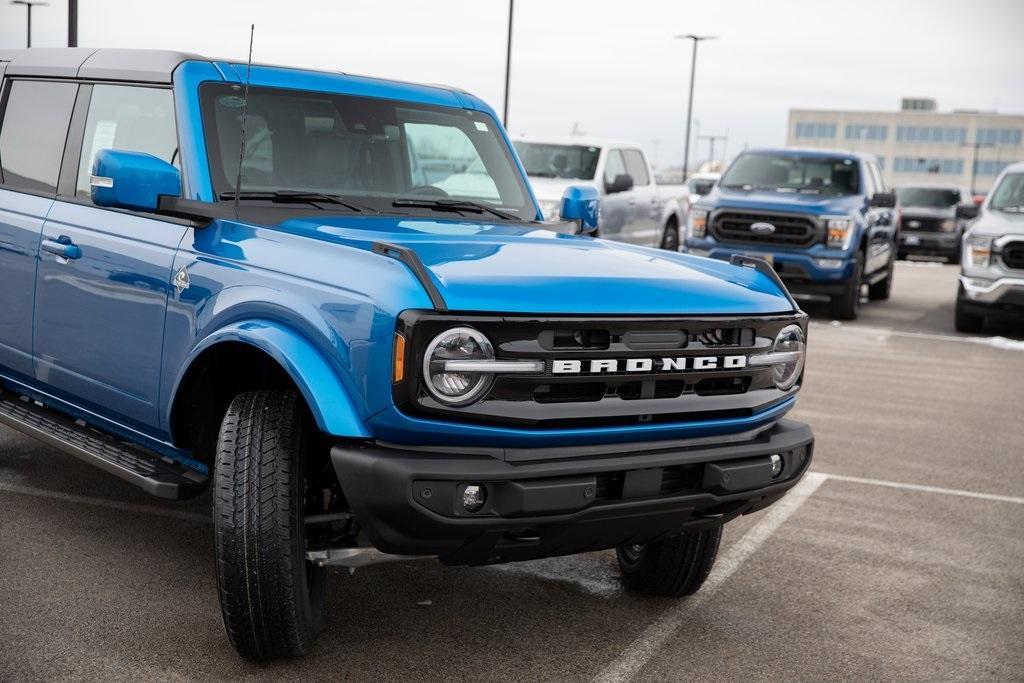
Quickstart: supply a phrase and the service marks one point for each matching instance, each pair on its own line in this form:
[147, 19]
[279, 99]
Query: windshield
[576, 162]
[928, 197]
[793, 173]
[1009, 195]
[373, 151]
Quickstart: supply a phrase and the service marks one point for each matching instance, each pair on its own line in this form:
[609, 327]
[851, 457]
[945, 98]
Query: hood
[791, 202]
[927, 212]
[997, 223]
[552, 189]
[510, 268]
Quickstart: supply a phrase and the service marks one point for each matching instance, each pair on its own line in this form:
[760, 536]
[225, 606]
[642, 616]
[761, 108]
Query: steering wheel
[428, 191]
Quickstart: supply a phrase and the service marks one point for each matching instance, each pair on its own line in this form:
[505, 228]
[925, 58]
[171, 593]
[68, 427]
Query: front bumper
[560, 501]
[1005, 294]
[930, 244]
[816, 270]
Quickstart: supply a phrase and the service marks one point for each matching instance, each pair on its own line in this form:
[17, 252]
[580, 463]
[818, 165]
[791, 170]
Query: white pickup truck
[634, 208]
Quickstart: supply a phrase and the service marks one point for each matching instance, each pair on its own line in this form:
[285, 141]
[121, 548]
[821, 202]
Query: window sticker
[481, 126]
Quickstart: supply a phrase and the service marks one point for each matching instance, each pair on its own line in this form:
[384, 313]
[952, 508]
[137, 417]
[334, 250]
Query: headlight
[697, 223]
[948, 225]
[978, 252]
[838, 231]
[457, 344]
[786, 358]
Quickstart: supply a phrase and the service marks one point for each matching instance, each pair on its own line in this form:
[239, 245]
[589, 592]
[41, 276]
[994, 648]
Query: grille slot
[1013, 255]
[734, 226]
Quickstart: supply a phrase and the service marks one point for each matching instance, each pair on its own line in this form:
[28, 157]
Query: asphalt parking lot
[900, 556]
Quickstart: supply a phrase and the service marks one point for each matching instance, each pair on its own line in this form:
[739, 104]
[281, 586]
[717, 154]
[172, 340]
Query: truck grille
[794, 231]
[1013, 255]
[915, 224]
[603, 398]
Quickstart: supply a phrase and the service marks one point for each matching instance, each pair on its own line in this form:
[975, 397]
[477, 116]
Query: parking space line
[641, 650]
[1001, 343]
[104, 503]
[927, 489]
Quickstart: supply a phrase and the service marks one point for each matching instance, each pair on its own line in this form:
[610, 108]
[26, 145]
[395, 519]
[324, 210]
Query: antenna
[245, 108]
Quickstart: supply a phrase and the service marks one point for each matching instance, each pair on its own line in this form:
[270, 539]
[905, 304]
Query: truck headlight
[697, 223]
[457, 388]
[786, 358]
[978, 252]
[948, 225]
[838, 231]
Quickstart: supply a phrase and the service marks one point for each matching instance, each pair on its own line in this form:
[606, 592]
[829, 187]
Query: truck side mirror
[132, 180]
[702, 187]
[622, 183]
[967, 211]
[579, 205]
[884, 200]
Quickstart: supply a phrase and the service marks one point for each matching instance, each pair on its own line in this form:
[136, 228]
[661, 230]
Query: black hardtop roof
[151, 66]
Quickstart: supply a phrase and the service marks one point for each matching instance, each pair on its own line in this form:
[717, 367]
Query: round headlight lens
[457, 388]
[789, 340]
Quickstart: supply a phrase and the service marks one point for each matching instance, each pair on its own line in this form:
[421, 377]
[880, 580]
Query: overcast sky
[612, 66]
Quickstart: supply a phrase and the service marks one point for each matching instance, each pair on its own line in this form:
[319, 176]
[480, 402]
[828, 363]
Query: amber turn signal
[399, 371]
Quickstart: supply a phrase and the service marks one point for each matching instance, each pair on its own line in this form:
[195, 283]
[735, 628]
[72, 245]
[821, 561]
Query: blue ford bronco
[825, 220]
[257, 281]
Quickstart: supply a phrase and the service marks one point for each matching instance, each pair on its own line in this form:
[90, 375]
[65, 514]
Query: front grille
[599, 397]
[1013, 255]
[915, 224]
[793, 231]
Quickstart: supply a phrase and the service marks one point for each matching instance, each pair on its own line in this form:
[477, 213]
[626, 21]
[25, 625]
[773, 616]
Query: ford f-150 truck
[929, 223]
[824, 219]
[253, 281]
[634, 208]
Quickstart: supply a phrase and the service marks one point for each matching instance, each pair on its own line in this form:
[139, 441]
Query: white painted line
[641, 650]
[103, 503]
[927, 489]
[1002, 343]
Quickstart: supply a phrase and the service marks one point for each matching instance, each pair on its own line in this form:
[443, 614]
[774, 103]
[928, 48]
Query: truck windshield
[378, 153]
[928, 197]
[793, 173]
[575, 162]
[1009, 195]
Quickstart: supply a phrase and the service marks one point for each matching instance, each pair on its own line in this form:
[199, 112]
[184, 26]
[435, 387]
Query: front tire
[674, 567]
[965, 321]
[846, 306]
[272, 599]
[670, 238]
[881, 290]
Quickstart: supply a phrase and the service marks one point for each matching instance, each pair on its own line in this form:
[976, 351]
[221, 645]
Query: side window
[130, 118]
[636, 166]
[614, 166]
[33, 133]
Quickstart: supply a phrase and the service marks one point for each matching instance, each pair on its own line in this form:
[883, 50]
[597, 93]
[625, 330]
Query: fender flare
[328, 401]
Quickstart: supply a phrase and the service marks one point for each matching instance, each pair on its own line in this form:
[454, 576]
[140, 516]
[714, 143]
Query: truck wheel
[846, 306]
[674, 567]
[880, 290]
[954, 257]
[272, 599]
[670, 239]
[967, 322]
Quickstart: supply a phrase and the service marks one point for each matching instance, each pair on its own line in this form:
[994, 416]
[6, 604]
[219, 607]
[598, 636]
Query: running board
[153, 473]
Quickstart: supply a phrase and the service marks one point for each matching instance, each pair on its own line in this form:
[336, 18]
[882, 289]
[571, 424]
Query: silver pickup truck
[634, 208]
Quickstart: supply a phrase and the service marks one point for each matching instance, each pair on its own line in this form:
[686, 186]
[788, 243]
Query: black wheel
[271, 598]
[846, 306]
[670, 239]
[880, 290]
[967, 322]
[674, 567]
[954, 257]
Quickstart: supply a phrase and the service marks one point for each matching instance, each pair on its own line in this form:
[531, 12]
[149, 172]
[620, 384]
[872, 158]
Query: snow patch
[593, 573]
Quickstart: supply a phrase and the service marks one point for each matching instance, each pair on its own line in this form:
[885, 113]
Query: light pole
[974, 165]
[28, 6]
[711, 144]
[508, 61]
[72, 23]
[689, 107]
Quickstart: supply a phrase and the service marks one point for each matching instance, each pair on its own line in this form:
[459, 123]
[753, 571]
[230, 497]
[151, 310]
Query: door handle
[62, 247]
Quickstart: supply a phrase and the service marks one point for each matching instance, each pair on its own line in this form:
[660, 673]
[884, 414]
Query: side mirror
[967, 211]
[132, 180]
[702, 187]
[622, 183]
[884, 200]
[579, 204]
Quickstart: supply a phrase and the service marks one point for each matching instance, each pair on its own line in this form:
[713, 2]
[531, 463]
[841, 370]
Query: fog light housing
[776, 465]
[829, 262]
[474, 496]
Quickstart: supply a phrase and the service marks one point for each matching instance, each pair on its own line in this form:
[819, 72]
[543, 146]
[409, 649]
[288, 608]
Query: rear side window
[129, 118]
[636, 166]
[33, 134]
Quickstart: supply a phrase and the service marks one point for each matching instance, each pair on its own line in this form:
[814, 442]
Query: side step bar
[153, 473]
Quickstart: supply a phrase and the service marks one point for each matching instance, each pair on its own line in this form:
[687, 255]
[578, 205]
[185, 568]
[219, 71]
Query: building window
[999, 136]
[919, 165]
[864, 131]
[990, 167]
[932, 134]
[816, 130]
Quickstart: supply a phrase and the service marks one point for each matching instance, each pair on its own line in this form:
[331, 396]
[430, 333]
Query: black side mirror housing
[702, 187]
[884, 200]
[622, 183]
[967, 212]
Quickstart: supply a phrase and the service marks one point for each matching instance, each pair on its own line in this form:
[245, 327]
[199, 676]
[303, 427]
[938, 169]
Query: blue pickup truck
[241, 278]
[825, 220]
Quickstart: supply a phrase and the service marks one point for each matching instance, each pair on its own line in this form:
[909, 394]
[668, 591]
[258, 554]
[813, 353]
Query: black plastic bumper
[411, 502]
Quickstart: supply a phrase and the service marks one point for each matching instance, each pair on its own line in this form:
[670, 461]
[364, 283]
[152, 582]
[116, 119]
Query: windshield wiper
[296, 197]
[456, 205]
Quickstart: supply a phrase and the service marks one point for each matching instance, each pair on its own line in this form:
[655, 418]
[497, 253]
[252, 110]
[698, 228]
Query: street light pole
[508, 61]
[689, 107]
[28, 6]
[72, 23]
